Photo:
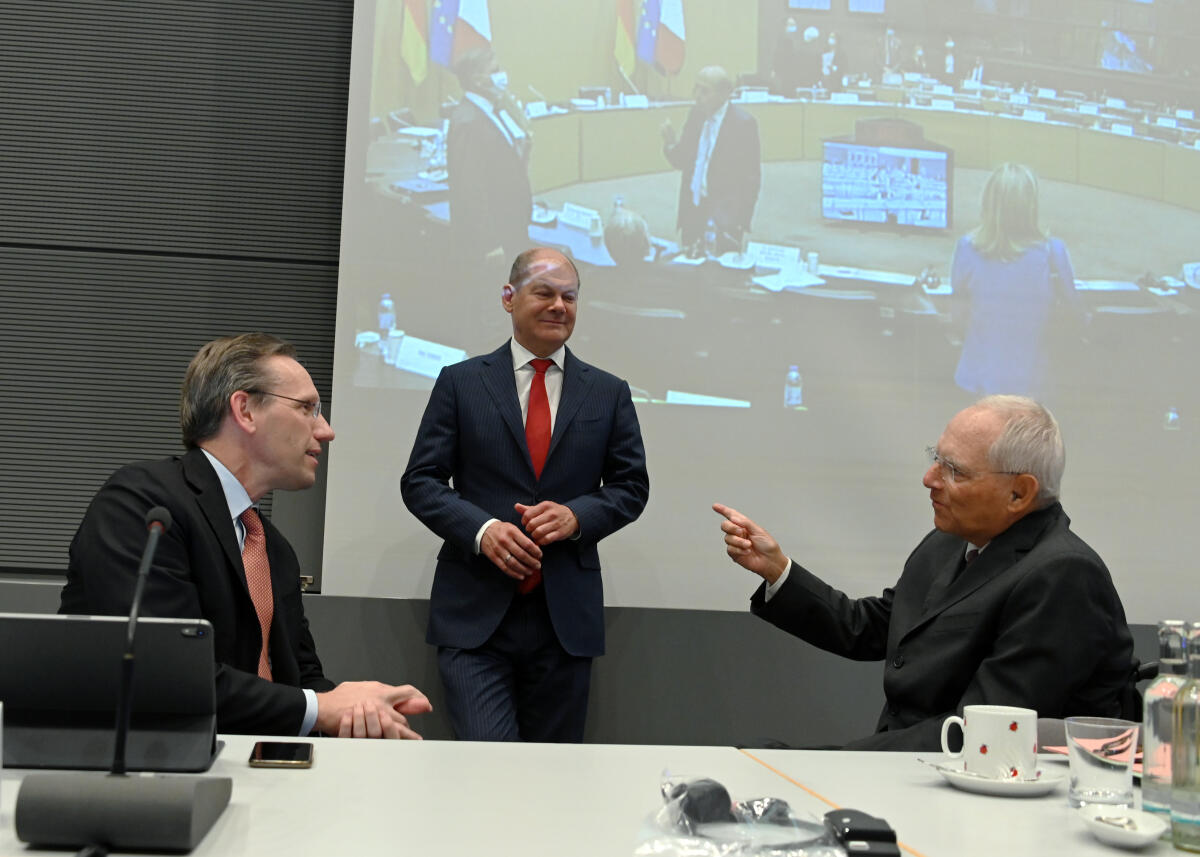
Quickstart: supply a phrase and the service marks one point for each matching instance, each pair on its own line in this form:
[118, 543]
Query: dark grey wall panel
[169, 172]
[94, 348]
[183, 127]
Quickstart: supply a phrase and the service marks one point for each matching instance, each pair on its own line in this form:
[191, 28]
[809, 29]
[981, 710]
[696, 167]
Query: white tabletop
[933, 818]
[448, 798]
[442, 797]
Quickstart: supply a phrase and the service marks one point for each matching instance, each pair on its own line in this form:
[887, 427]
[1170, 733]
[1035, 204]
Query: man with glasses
[252, 423]
[1000, 604]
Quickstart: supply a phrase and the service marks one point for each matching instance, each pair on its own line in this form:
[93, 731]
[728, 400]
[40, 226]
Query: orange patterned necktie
[537, 438]
[258, 579]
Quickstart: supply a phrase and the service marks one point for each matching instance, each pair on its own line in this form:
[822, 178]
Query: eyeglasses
[951, 472]
[313, 408]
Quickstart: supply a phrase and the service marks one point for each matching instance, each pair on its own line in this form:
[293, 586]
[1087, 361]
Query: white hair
[1030, 442]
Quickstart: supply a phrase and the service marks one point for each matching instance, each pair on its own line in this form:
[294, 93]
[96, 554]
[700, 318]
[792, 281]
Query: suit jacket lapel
[577, 380]
[211, 497]
[501, 384]
[1004, 551]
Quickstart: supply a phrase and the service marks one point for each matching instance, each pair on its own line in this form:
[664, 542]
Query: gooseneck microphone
[158, 521]
[85, 809]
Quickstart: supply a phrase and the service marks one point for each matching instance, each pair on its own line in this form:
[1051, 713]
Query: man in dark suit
[546, 459]
[719, 154]
[1000, 604]
[252, 422]
[487, 158]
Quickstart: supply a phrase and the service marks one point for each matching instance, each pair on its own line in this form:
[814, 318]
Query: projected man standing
[1001, 604]
[546, 459]
[719, 154]
[487, 157]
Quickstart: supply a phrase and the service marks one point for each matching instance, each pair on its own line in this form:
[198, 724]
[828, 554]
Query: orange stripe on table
[817, 795]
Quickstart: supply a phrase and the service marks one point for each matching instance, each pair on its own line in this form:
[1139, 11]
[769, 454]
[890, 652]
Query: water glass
[1101, 751]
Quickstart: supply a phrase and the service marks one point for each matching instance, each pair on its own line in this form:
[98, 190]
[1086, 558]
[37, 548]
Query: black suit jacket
[198, 573]
[490, 198]
[1035, 622]
[734, 175]
[472, 433]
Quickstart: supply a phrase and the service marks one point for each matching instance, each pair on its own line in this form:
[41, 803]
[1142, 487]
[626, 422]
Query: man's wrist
[480, 532]
[310, 712]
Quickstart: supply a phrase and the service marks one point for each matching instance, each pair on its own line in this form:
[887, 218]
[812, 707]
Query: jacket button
[898, 661]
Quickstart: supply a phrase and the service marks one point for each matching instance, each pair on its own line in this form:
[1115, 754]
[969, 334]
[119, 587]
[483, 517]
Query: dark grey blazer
[198, 573]
[1035, 622]
[472, 433]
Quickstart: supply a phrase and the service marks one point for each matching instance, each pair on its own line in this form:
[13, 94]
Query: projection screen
[800, 373]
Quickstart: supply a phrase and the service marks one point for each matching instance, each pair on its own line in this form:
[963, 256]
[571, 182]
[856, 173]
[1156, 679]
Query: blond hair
[1008, 213]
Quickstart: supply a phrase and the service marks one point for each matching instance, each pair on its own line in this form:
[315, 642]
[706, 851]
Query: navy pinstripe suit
[472, 434]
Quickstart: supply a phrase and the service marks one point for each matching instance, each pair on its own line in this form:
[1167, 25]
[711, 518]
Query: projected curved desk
[614, 143]
[370, 797]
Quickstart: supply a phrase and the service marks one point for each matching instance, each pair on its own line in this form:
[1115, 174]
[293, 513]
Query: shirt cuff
[772, 588]
[310, 712]
[482, 530]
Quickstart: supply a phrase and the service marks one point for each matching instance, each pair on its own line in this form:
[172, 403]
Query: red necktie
[258, 580]
[537, 420]
[537, 438]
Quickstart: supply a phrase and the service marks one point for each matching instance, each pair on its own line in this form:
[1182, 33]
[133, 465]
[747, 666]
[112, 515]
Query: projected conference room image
[903, 205]
[885, 184]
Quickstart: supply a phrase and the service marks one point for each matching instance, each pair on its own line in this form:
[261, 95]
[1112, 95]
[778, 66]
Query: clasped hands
[519, 554]
[370, 709]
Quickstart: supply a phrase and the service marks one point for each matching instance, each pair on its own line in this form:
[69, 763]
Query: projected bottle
[387, 315]
[710, 238]
[793, 388]
[1159, 723]
[1185, 758]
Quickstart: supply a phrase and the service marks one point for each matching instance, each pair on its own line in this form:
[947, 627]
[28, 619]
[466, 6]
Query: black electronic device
[860, 833]
[282, 754]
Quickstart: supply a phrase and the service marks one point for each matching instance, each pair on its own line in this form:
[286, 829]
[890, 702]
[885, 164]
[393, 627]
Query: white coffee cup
[999, 741]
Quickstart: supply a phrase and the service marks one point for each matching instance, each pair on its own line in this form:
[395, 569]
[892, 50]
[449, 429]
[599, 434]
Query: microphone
[80, 809]
[158, 521]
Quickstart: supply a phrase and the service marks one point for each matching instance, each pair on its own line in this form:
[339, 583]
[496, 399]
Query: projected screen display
[888, 185]
[792, 364]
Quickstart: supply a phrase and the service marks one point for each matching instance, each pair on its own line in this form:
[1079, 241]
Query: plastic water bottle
[710, 238]
[1185, 758]
[793, 388]
[1158, 723]
[387, 315]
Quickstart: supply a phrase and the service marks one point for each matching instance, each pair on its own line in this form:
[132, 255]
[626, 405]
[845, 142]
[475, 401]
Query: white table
[932, 818]
[449, 798]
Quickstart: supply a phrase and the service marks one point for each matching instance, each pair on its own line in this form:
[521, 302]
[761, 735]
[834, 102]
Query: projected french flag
[457, 26]
[661, 35]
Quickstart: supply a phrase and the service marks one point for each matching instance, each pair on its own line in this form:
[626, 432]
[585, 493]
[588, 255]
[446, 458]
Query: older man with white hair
[1000, 604]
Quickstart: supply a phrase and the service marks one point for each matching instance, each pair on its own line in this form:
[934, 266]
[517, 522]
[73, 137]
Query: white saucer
[1148, 827]
[1044, 782]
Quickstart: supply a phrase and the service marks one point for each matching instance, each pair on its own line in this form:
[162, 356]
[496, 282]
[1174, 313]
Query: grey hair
[219, 369]
[1030, 442]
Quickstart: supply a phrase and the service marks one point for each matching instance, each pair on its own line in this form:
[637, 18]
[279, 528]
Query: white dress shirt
[708, 141]
[239, 501]
[523, 374]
